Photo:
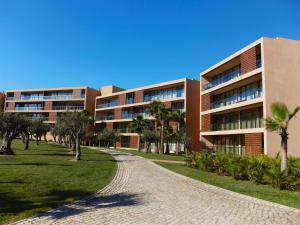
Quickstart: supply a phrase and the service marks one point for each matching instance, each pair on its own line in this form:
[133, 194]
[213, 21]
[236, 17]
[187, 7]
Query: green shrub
[191, 160]
[206, 161]
[222, 163]
[238, 167]
[257, 168]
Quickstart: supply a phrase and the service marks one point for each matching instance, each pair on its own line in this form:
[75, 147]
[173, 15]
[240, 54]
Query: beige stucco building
[237, 92]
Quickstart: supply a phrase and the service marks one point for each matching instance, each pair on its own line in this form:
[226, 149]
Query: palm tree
[279, 121]
[137, 125]
[178, 117]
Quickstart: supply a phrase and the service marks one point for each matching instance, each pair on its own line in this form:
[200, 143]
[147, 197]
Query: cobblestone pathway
[144, 193]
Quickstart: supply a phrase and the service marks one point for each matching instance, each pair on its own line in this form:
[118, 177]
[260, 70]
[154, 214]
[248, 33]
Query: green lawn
[153, 155]
[265, 192]
[46, 176]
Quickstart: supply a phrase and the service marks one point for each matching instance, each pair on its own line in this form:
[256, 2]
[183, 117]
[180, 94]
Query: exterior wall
[2, 101]
[139, 96]
[205, 102]
[52, 116]
[77, 93]
[281, 60]
[248, 60]
[133, 142]
[205, 122]
[122, 99]
[192, 100]
[48, 105]
[90, 97]
[253, 144]
[109, 125]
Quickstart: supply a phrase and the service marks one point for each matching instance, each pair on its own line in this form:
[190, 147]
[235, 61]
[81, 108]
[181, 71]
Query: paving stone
[145, 193]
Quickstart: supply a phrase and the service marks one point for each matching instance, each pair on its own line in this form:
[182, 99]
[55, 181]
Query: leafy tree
[36, 129]
[11, 125]
[108, 137]
[138, 125]
[279, 121]
[150, 136]
[76, 123]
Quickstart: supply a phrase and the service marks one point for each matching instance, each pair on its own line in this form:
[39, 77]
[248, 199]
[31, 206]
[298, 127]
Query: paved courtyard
[144, 193]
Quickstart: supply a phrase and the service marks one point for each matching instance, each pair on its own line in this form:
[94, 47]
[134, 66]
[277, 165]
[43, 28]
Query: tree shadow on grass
[33, 164]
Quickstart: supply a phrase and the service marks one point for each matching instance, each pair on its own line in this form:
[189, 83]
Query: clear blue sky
[54, 43]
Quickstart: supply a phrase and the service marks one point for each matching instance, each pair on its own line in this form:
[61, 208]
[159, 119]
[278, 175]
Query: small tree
[11, 125]
[36, 129]
[279, 121]
[76, 123]
[108, 137]
[150, 136]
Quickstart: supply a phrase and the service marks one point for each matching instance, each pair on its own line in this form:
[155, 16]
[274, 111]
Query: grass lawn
[46, 176]
[154, 155]
[265, 192]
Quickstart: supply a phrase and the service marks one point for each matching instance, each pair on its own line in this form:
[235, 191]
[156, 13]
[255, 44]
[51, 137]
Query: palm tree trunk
[284, 158]
[161, 149]
[177, 147]
[139, 142]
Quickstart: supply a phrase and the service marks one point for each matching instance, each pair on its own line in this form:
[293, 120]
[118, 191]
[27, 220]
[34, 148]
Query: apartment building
[116, 107]
[2, 100]
[47, 103]
[237, 92]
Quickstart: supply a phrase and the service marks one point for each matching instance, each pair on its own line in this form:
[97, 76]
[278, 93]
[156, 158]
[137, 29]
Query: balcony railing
[44, 118]
[124, 130]
[229, 149]
[222, 79]
[25, 108]
[234, 99]
[9, 98]
[50, 97]
[68, 107]
[107, 104]
[135, 115]
[107, 117]
[129, 100]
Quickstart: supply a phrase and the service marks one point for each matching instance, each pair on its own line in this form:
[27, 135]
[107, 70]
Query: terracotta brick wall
[248, 60]
[48, 105]
[77, 93]
[118, 112]
[139, 96]
[205, 102]
[17, 95]
[168, 104]
[133, 142]
[52, 116]
[2, 100]
[11, 106]
[206, 122]
[109, 125]
[122, 99]
[253, 144]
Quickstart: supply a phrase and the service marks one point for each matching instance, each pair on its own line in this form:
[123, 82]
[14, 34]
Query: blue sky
[54, 43]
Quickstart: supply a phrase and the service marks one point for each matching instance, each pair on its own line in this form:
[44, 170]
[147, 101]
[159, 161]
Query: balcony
[45, 97]
[9, 98]
[227, 76]
[105, 117]
[129, 101]
[235, 100]
[44, 118]
[134, 115]
[107, 104]
[126, 130]
[29, 108]
[228, 149]
[68, 107]
[160, 95]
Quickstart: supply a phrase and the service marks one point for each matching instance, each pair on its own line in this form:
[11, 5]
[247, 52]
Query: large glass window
[108, 103]
[169, 93]
[252, 118]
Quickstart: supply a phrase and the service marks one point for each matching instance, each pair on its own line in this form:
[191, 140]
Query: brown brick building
[237, 92]
[115, 108]
[48, 103]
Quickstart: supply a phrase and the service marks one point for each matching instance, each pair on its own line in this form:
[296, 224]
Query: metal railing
[68, 107]
[29, 108]
[9, 98]
[228, 149]
[222, 79]
[49, 97]
[107, 105]
[124, 130]
[233, 100]
[134, 115]
[110, 117]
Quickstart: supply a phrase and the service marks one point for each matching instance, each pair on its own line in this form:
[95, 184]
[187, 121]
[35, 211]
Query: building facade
[236, 95]
[46, 104]
[115, 108]
[2, 101]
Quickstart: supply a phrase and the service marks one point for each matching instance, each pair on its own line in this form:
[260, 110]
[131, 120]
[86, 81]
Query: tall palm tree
[138, 125]
[279, 121]
[179, 118]
[155, 109]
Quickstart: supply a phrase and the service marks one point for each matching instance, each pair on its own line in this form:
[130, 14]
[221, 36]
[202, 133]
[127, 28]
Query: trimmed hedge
[260, 169]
